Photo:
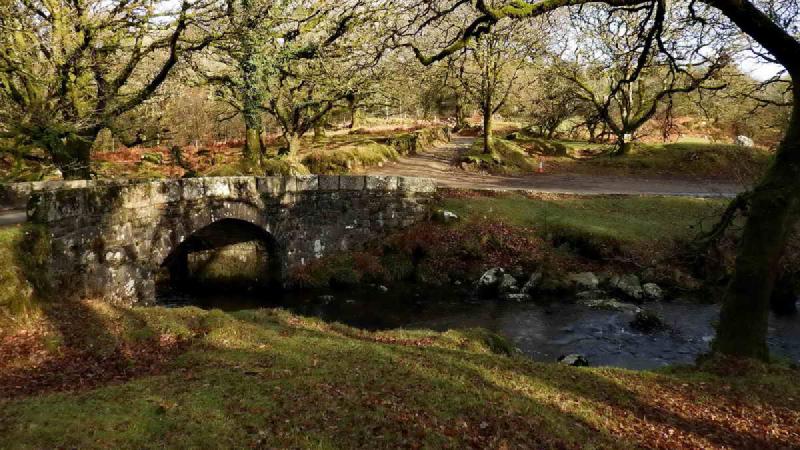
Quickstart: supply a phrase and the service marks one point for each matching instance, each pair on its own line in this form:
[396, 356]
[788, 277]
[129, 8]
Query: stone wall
[108, 240]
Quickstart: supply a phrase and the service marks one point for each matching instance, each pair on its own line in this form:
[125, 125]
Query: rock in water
[488, 282]
[517, 297]
[652, 291]
[585, 281]
[611, 304]
[647, 322]
[533, 282]
[628, 285]
[507, 284]
[574, 359]
[744, 141]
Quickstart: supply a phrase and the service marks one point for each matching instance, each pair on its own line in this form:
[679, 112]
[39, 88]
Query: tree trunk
[319, 131]
[252, 147]
[488, 129]
[623, 147]
[354, 116]
[461, 119]
[292, 145]
[73, 157]
[592, 128]
[253, 128]
[742, 329]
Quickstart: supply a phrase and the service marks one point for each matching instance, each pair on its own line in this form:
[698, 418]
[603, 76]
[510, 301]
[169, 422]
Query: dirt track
[437, 164]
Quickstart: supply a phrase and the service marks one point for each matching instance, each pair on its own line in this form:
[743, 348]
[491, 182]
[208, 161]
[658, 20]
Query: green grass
[624, 219]
[692, 159]
[688, 158]
[268, 379]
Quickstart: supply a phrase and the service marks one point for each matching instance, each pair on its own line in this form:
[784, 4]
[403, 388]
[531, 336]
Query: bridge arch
[227, 251]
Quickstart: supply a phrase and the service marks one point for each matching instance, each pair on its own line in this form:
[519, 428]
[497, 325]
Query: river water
[543, 330]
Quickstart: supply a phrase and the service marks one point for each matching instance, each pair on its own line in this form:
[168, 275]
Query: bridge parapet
[109, 239]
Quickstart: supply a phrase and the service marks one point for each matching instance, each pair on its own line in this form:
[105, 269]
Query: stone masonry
[108, 240]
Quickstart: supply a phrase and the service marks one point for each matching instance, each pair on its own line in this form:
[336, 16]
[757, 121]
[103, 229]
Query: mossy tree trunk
[252, 117]
[252, 147]
[623, 146]
[250, 86]
[773, 214]
[488, 128]
[461, 114]
[319, 130]
[293, 143]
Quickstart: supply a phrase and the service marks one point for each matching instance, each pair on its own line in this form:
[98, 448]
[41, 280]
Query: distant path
[437, 164]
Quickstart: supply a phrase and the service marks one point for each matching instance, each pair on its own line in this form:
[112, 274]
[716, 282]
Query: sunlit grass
[627, 219]
[271, 379]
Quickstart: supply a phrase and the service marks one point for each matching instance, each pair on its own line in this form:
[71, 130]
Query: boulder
[647, 322]
[744, 141]
[488, 282]
[585, 281]
[611, 304]
[629, 285]
[652, 291]
[507, 284]
[574, 359]
[533, 283]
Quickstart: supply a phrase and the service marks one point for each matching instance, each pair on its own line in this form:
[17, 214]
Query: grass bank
[186, 378]
[685, 159]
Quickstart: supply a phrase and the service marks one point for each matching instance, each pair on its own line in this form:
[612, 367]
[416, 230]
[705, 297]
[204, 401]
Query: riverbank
[547, 236]
[156, 377]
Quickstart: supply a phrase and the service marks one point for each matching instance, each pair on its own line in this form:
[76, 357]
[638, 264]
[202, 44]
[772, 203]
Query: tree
[490, 68]
[319, 63]
[773, 204]
[552, 101]
[293, 60]
[613, 70]
[69, 68]
[234, 66]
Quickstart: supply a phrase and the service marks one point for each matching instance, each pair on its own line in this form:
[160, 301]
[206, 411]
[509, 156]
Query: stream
[542, 330]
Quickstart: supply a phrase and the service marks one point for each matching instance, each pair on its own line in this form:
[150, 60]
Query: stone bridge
[109, 240]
